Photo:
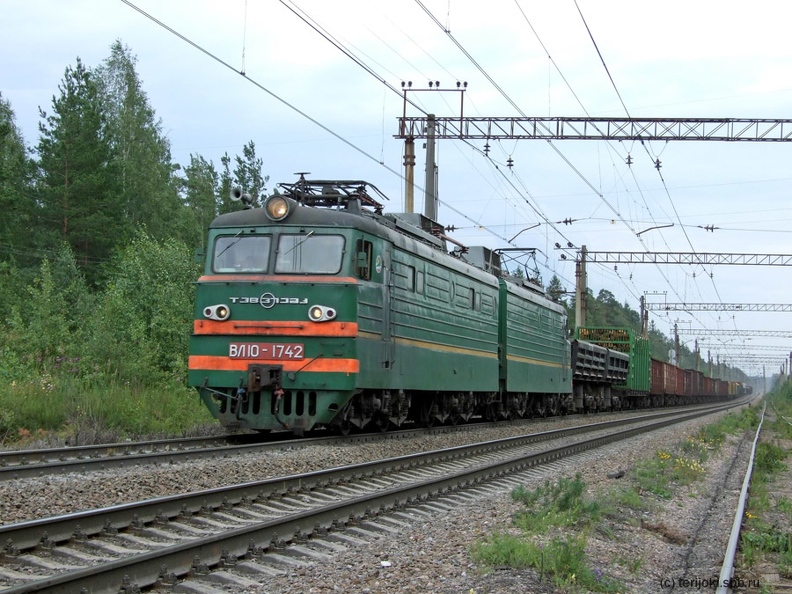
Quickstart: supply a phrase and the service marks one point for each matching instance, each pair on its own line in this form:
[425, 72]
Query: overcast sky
[308, 107]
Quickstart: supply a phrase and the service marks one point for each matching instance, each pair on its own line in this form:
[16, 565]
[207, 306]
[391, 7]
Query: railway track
[19, 464]
[257, 527]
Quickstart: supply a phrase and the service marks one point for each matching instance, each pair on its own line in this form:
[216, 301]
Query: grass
[761, 540]
[684, 464]
[562, 560]
[69, 412]
[556, 504]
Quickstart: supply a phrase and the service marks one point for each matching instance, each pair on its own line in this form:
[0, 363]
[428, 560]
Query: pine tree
[555, 290]
[247, 175]
[200, 193]
[16, 192]
[78, 191]
[248, 172]
[148, 194]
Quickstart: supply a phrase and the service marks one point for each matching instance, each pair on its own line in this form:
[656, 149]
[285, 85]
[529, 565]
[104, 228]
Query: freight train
[319, 310]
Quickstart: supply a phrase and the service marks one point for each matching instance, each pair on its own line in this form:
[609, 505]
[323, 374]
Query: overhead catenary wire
[293, 107]
[521, 112]
[338, 44]
[662, 179]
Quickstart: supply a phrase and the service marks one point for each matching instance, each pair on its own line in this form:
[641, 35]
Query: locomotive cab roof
[350, 203]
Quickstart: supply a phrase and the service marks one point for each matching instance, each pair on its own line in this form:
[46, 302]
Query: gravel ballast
[681, 539]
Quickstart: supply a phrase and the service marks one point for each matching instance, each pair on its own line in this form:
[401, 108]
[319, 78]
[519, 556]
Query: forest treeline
[98, 240]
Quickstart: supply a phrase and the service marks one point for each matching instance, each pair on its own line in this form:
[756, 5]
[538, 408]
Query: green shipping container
[625, 341]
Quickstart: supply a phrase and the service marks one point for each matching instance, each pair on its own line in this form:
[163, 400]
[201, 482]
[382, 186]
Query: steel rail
[727, 569]
[19, 464]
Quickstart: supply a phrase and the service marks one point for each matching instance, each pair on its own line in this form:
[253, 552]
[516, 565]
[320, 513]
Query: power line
[293, 107]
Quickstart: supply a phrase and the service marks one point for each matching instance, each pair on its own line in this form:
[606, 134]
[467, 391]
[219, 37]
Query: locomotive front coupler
[268, 376]
[263, 376]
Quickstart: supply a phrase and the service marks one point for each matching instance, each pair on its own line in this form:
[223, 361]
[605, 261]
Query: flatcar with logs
[319, 310]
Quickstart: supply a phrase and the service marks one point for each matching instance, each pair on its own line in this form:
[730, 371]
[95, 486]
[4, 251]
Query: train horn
[236, 195]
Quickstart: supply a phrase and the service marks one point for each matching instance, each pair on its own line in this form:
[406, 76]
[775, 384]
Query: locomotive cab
[274, 336]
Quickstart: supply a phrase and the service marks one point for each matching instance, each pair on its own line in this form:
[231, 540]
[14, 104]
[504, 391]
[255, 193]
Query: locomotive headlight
[217, 312]
[320, 313]
[277, 208]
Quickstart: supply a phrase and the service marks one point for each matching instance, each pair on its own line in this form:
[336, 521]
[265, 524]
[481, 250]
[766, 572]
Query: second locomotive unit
[319, 310]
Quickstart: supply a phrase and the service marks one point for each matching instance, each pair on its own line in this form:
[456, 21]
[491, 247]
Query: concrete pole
[580, 289]
[409, 175]
[430, 196]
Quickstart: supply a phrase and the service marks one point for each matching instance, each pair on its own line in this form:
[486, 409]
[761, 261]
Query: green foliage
[96, 276]
[652, 475]
[106, 364]
[200, 189]
[80, 415]
[769, 459]
[147, 193]
[247, 175]
[43, 337]
[563, 559]
[766, 538]
[16, 195]
[628, 497]
[78, 175]
[143, 319]
[555, 504]
[556, 290]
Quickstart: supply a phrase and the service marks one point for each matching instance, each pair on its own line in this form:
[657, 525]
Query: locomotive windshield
[309, 254]
[234, 253]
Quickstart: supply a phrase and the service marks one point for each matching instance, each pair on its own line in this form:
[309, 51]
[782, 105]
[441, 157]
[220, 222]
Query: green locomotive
[320, 310]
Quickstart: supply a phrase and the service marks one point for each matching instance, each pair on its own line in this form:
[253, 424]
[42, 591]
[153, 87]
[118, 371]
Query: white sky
[705, 58]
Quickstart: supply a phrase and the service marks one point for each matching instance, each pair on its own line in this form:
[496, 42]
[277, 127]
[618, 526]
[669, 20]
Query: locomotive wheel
[427, 418]
[344, 427]
[380, 422]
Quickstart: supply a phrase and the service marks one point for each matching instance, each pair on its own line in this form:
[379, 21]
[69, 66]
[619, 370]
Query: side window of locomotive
[309, 254]
[363, 251]
[233, 253]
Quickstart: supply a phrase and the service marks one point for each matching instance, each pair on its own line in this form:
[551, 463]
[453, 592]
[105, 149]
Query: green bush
[89, 366]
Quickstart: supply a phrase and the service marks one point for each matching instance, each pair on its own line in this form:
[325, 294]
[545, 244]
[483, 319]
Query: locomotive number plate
[265, 350]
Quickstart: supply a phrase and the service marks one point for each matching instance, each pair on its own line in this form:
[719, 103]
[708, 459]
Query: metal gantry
[719, 306]
[719, 332]
[586, 128]
[727, 347]
[693, 258]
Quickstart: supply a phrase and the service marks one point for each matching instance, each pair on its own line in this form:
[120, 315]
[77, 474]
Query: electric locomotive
[319, 310]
